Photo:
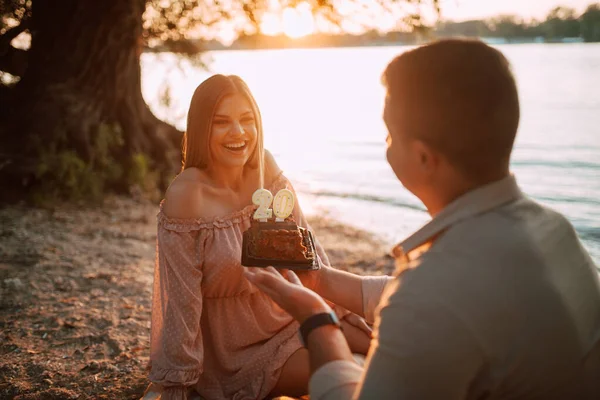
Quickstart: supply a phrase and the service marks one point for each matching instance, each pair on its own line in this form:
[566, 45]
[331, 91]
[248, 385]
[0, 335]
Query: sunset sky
[299, 21]
[467, 9]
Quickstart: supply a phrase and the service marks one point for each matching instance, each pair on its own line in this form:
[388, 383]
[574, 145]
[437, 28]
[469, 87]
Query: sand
[75, 291]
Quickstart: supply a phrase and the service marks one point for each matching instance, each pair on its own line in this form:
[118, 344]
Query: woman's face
[233, 132]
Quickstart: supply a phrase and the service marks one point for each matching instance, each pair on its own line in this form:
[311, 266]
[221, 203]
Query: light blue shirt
[495, 298]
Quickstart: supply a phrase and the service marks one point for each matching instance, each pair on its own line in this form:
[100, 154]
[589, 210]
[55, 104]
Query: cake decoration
[277, 241]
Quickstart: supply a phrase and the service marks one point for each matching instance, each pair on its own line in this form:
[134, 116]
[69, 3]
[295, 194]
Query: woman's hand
[289, 294]
[359, 323]
[311, 279]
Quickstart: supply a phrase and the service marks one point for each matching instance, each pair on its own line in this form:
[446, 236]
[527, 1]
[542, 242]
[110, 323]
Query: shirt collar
[470, 204]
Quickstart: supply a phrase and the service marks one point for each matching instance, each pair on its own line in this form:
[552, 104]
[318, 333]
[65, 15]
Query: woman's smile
[237, 147]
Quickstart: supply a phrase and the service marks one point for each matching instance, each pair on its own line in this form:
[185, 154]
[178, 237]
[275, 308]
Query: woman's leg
[293, 380]
[295, 373]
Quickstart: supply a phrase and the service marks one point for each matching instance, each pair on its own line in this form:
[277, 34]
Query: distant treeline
[561, 22]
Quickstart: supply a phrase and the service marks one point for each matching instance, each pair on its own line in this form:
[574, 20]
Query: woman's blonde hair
[196, 149]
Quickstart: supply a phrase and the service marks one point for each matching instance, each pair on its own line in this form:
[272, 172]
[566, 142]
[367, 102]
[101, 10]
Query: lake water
[322, 120]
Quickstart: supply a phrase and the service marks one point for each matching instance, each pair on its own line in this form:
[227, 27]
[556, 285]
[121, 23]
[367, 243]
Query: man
[495, 298]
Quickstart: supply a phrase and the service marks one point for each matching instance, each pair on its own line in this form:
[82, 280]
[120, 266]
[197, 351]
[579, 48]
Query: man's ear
[428, 159]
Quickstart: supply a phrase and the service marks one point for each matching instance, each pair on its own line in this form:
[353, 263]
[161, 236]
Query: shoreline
[75, 294]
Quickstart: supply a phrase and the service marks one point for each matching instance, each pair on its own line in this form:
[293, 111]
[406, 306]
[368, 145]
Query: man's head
[452, 111]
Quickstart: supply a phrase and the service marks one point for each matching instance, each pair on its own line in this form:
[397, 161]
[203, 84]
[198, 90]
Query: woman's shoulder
[185, 194]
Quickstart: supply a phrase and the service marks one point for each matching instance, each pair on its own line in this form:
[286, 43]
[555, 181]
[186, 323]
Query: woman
[212, 331]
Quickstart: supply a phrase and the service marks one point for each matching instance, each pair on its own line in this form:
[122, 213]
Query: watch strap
[316, 321]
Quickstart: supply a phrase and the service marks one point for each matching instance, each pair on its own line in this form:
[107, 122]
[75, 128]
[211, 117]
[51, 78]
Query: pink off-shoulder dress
[212, 330]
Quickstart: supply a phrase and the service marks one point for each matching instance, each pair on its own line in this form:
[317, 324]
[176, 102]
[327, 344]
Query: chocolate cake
[278, 244]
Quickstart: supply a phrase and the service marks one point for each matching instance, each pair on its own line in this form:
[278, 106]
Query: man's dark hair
[460, 97]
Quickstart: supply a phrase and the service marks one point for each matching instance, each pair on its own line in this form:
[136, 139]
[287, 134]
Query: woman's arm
[176, 346]
[177, 350]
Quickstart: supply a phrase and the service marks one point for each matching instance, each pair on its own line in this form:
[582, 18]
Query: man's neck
[455, 188]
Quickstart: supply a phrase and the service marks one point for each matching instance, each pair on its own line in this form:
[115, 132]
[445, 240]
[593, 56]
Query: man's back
[494, 299]
[519, 281]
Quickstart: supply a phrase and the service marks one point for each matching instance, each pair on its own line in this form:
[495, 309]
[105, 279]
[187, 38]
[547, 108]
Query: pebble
[14, 283]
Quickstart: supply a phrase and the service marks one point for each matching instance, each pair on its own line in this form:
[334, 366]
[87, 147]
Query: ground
[75, 291]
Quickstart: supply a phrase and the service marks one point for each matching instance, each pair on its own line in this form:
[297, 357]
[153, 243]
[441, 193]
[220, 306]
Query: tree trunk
[77, 123]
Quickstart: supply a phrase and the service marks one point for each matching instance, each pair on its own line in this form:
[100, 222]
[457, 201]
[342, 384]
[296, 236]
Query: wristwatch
[315, 321]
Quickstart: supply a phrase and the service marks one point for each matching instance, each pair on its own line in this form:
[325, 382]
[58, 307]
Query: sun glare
[270, 25]
[293, 22]
[298, 21]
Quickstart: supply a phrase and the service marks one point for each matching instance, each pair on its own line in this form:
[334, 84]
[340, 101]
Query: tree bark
[83, 74]
[13, 61]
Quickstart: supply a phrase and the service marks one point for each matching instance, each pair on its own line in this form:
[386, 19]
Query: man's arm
[359, 294]
[421, 350]
[325, 343]
[340, 287]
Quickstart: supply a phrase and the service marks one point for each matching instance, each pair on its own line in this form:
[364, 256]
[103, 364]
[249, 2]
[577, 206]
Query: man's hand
[289, 294]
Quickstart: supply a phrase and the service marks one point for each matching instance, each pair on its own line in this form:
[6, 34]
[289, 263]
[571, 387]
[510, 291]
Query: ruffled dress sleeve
[176, 347]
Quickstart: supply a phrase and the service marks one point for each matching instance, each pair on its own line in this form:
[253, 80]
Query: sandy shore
[75, 289]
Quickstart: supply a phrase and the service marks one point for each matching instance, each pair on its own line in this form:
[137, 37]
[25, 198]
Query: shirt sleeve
[372, 290]
[176, 347]
[421, 350]
[336, 380]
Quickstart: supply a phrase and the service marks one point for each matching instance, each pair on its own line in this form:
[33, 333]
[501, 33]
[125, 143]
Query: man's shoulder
[528, 211]
[483, 257]
[479, 251]
[518, 229]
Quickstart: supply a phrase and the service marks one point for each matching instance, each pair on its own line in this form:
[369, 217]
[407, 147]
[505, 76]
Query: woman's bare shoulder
[184, 195]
